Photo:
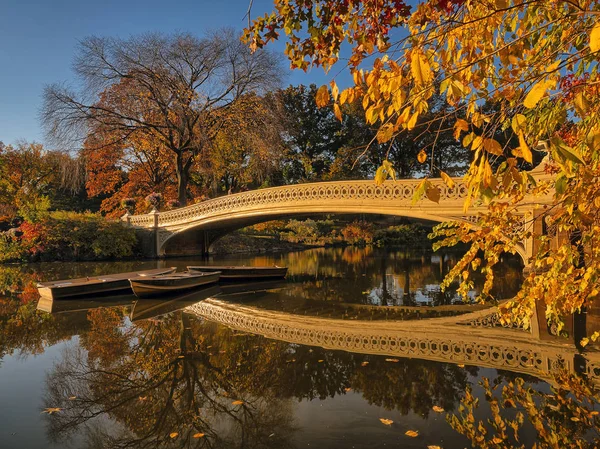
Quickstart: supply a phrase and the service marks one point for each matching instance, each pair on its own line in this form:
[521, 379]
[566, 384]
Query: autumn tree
[537, 61]
[172, 89]
[248, 149]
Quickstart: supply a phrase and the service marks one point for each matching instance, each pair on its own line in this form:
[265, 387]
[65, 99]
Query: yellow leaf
[387, 422]
[334, 90]
[460, 125]
[385, 133]
[347, 389]
[438, 409]
[525, 151]
[492, 146]
[595, 38]
[584, 342]
[497, 440]
[364, 363]
[344, 96]
[413, 121]
[392, 360]
[447, 179]
[581, 104]
[51, 410]
[320, 360]
[72, 398]
[198, 435]
[536, 93]
[337, 111]
[422, 156]
[237, 402]
[518, 123]
[433, 446]
[322, 97]
[174, 434]
[420, 69]
[412, 433]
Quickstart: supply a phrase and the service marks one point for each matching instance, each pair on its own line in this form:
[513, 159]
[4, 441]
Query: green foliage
[402, 235]
[35, 208]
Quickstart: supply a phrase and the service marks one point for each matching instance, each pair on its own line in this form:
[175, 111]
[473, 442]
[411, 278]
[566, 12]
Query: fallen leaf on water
[143, 398]
[237, 402]
[347, 389]
[434, 446]
[461, 366]
[174, 434]
[272, 435]
[437, 408]
[51, 410]
[72, 398]
[392, 360]
[412, 433]
[320, 360]
[198, 435]
[181, 357]
[387, 422]
[364, 363]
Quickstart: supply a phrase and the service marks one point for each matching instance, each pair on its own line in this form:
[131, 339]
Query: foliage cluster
[535, 61]
[68, 236]
[411, 235]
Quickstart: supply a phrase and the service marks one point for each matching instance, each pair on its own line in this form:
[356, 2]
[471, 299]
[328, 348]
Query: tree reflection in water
[160, 382]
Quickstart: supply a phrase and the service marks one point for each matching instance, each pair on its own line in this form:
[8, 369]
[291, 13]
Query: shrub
[402, 235]
[358, 233]
[70, 236]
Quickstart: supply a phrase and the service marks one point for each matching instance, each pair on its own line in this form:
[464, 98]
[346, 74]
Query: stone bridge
[192, 229]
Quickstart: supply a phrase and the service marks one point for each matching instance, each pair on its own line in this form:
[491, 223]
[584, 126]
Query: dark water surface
[314, 361]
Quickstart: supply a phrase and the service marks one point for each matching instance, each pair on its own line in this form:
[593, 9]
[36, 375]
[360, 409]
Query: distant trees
[33, 179]
[173, 91]
[322, 147]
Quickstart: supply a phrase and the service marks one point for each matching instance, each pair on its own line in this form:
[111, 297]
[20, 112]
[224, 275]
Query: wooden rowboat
[172, 283]
[238, 274]
[96, 285]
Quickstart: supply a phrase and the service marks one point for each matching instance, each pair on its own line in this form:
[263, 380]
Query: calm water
[315, 361]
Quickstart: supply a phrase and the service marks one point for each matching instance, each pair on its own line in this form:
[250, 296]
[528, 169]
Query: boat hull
[169, 285]
[239, 274]
[95, 286]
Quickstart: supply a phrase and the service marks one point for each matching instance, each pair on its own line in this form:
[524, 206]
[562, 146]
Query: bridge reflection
[469, 339]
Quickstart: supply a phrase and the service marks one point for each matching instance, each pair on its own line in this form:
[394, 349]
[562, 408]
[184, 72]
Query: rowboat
[96, 285]
[172, 283]
[238, 274]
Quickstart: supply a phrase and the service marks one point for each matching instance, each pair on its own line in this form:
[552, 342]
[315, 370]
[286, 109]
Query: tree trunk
[182, 179]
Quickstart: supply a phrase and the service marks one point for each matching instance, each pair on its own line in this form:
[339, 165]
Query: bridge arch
[336, 197]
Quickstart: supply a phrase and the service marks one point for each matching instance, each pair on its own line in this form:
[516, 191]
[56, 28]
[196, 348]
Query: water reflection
[152, 374]
[377, 276]
[167, 380]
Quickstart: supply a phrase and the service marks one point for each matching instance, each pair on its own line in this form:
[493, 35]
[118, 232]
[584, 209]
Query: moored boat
[238, 274]
[95, 285]
[172, 283]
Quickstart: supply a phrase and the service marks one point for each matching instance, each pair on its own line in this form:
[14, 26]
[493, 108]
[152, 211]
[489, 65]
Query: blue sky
[38, 41]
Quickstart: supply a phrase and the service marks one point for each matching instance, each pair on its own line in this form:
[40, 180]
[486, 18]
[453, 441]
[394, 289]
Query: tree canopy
[170, 90]
[536, 61]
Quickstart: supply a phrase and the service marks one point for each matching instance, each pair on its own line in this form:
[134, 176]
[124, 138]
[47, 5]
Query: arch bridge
[192, 229]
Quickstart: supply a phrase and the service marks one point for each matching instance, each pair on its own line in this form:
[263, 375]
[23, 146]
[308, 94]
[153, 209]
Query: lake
[357, 347]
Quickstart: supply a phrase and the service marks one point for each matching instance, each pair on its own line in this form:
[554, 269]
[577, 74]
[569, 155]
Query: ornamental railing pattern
[400, 192]
[433, 339]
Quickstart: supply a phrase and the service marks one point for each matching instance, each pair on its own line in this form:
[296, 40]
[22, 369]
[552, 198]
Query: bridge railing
[403, 191]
